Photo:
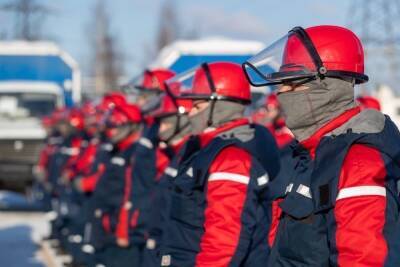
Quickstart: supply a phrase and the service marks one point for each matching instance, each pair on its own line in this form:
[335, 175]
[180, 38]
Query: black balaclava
[308, 110]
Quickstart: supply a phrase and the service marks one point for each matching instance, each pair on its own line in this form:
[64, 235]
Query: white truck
[35, 79]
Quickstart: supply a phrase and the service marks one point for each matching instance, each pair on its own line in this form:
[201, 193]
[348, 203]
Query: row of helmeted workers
[182, 178]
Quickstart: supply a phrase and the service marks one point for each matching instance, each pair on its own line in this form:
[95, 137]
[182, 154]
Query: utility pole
[107, 65]
[29, 16]
[376, 22]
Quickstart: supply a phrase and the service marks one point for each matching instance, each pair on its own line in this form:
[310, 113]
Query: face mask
[175, 132]
[223, 112]
[122, 132]
[199, 121]
[308, 110]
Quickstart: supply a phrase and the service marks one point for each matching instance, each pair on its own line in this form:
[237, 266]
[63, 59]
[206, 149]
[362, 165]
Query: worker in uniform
[141, 224]
[70, 126]
[340, 205]
[41, 189]
[123, 130]
[94, 183]
[147, 87]
[216, 217]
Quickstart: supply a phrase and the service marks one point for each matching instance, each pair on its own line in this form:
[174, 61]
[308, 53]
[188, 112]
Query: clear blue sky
[135, 22]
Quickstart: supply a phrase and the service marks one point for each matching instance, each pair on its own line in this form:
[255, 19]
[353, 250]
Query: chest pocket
[187, 190]
[187, 208]
[187, 198]
[302, 242]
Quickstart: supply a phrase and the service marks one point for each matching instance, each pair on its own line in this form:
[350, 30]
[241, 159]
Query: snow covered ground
[20, 233]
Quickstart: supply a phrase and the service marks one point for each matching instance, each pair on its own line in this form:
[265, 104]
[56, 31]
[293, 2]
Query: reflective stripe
[75, 239]
[358, 191]
[70, 151]
[289, 188]
[190, 172]
[146, 143]
[171, 171]
[107, 147]
[118, 161]
[151, 244]
[234, 177]
[263, 180]
[166, 260]
[304, 191]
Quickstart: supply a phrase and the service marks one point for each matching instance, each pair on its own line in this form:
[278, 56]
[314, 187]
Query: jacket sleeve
[229, 176]
[89, 182]
[43, 158]
[360, 209]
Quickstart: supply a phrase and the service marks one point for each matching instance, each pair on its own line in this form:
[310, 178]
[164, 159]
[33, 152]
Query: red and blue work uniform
[93, 230]
[154, 220]
[340, 204]
[143, 203]
[113, 185]
[65, 156]
[146, 167]
[215, 216]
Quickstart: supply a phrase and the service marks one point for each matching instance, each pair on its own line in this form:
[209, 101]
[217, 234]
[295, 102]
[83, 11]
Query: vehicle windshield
[22, 105]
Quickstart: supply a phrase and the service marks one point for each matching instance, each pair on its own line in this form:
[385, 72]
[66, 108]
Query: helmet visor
[146, 81]
[286, 60]
[195, 83]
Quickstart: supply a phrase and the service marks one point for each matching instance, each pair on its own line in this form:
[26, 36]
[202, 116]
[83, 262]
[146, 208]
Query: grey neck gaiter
[170, 135]
[224, 111]
[123, 132]
[308, 110]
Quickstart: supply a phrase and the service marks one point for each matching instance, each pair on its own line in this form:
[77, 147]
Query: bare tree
[169, 28]
[29, 17]
[106, 62]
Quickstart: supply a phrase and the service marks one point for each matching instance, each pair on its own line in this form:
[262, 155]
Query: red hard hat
[124, 114]
[325, 50]
[170, 106]
[58, 115]
[88, 108]
[47, 121]
[272, 101]
[114, 98]
[153, 79]
[369, 102]
[227, 78]
[212, 81]
[75, 119]
[338, 48]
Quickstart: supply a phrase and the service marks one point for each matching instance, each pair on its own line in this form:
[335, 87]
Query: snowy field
[20, 233]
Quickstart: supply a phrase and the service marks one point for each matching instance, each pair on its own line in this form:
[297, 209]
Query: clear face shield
[291, 59]
[143, 89]
[195, 84]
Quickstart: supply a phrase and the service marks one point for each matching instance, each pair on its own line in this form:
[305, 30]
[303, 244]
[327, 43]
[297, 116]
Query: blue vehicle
[35, 79]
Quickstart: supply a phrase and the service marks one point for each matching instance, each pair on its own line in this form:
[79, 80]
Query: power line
[28, 18]
[376, 22]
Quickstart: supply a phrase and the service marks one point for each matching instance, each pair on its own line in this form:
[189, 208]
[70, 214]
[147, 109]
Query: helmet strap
[210, 114]
[309, 45]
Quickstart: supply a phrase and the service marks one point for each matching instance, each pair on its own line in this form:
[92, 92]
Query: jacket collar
[124, 144]
[210, 133]
[312, 142]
